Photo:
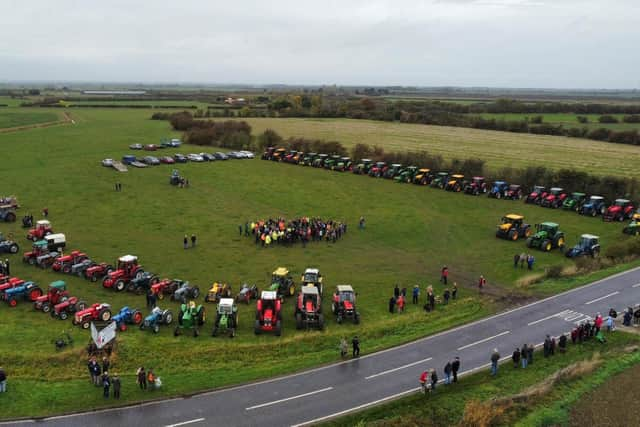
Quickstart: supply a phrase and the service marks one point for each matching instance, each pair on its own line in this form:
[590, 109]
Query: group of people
[587, 329]
[185, 241]
[398, 301]
[100, 377]
[355, 347]
[304, 230]
[429, 378]
[631, 316]
[522, 259]
[147, 379]
[5, 267]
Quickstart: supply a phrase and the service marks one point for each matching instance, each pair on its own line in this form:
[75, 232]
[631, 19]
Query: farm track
[66, 120]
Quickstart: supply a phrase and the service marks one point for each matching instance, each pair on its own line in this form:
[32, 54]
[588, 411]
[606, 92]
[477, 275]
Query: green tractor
[363, 167]
[318, 161]
[307, 159]
[191, 316]
[574, 202]
[331, 162]
[393, 171]
[343, 164]
[440, 180]
[227, 318]
[547, 237]
[407, 175]
[633, 228]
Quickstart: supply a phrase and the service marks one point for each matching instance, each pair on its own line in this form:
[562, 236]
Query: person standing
[240, 229]
[446, 295]
[516, 358]
[434, 380]
[105, 364]
[530, 349]
[495, 358]
[552, 346]
[361, 223]
[444, 274]
[416, 293]
[455, 367]
[106, 384]
[186, 241]
[193, 240]
[392, 305]
[7, 267]
[246, 228]
[562, 343]
[447, 373]
[523, 356]
[400, 303]
[355, 343]
[523, 259]
[454, 291]
[396, 291]
[516, 259]
[3, 380]
[45, 212]
[343, 348]
[424, 377]
[115, 381]
[432, 301]
[546, 347]
[141, 376]
[481, 283]
[530, 261]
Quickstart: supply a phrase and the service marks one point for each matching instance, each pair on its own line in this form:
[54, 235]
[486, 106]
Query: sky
[490, 43]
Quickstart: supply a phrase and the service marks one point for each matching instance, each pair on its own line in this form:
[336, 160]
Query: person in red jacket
[481, 282]
[598, 322]
[424, 377]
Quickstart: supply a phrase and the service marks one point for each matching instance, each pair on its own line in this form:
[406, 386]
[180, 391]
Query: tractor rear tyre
[257, 329]
[14, 248]
[104, 315]
[156, 329]
[167, 317]
[559, 242]
[513, 235]
[46, 307]
[120, 285]
[93, 277]
[35, 293]
[278, 329]
[298, 321]
[546, 245]
[12, 302]
[195, 292]
[81, 305]
[64, 315]
[136, 317]
[321, 322]
[215, 331]
[86, 324]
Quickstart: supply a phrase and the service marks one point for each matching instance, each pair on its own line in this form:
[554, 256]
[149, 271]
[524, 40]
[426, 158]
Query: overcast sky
[505, 43]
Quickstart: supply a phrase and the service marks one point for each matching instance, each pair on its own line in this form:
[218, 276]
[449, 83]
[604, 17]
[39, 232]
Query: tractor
[97, 311]
[319, 161]
[7, 282]
[331, 162]
[344, 164]
[588, 245]
[42, 228]
[268, 153]
[344, 304]
[595, 206]
[312, 277]
[537, 195]
[407, 175]
[7, 213]
[307, 159]
[363, 167]
[82, 266]
[27, 291]
[68, 307]
[455, 183]
[142, 283]
[378, 170]
[282, 283]
[547, 237]
[278, 154]
[288, 158]
[127, 316]
[308, 311]
[191, 316]
[226, 318]
[513, 227]
[218, 290]
[56, 294]
[633, 228]
[476, 187]
[297, 158]
[498, 189]
[39, 251]
[11, 201]
[63, 263]
[440, 180]
[8, 245]
[620, 210]
[268, 314]
[574, 202]
[186, 292]
[98, 271]
[393, 171]
[127, 270]
[156, 318]
[423, 177]
[247, 293]
[175, 177]
[166, 287]
[554, 199]
[514, 192]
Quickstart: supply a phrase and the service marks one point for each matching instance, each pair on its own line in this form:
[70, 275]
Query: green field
[411, 232]
[498, 149]
[15, 118]
[570, 120]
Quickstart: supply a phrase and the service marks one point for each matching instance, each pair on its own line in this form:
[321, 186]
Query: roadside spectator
[246, 228]
[574, 335]
[115, 381]
[186, 241]
[90, 369]
[455, 367]
[392, 305]
[193, 240]
[3, 380]
[105, 364]
[400, 303]
[562, 343]
[434, 380]
[444, 274]
[447, 373]
[416, 293]
[516, 259]
[106, 384]
[95, 370]
[343, 348]
[516, 358]
[424, 377]
[530, 261]
[153, 299]
[432, 300]
[530, 349]
[523, 259]
[552, 348]
[626, 320]
[454, 291]
[481, 283]
[141, 377]
[446, 295]
[636, 316]
[611, 323]
[495, 358]
[546, 347]
[523, 356]
[355, 343]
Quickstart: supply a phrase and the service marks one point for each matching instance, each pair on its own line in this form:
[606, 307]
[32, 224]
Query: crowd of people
[300, 230]
[519, 260]
[111, 385]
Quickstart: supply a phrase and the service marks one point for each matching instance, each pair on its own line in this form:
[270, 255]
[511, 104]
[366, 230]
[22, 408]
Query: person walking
[415, 293]
[481, 283]
[444, 274]
[454, 291]
[141, 377]
[495, 358]
[355, 344]
[3, 380]
[447, 373]
[516, 358]
[115, 382]
[455, 367]
[523, 356]
[343, 348]
[106, 384]
[516, 259]
[193, 240]
[186, 241]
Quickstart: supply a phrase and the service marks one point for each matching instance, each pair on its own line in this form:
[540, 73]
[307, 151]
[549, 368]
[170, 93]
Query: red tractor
[620, 210]
[165, 287]
[127, 270]
[309, 309]
[63, 263]
[344, 304]
[514, 192]
[555, 198]
[101, 312]
[98, 271]
[68, 307]
[268, 314]
[42, 228]
[476, 187]
[537, 195]
[56, 294]
[378, 170]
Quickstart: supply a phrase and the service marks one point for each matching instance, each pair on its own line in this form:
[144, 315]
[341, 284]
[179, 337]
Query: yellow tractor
[218, 290]
[455, 183]
[282, 282]
[513, 227]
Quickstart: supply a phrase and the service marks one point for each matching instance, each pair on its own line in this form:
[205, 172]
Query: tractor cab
[310, 299]
[574, 202]
[588, 245]
[268, 153]
[550, 228]
[320, 160]
[56, 241]
[227, 306]
[423, 177]
[455, 183]
[344, 294]
[440, 179]
[127, 263]
[42, 228]
[312, 277]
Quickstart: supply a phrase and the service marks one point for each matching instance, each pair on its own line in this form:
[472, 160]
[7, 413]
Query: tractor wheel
[94, 277]
[278, 328]
[14, 248]
[66, 269]
[292, 290]
[546, 245]
[232, 333]
[46, 307]
[136, 317]
[195, 292]
[139, 273]
[176, 331]
[86, 324]
[64, 315]
[104, 315]
[32, 261]
[12, 302]
[356, 318]
[81, 305]
[119, 285]
[298, 321]
[498, 195]
[529, 242]
[560, 242]
[321, 322]
[156, 329]
[35, 293]
[154, 280]
[595, 253]
[167, 317]
[593, 213]
[123, 327]
[513, 235]
[160, 295]
[196, 333]
[257, 329]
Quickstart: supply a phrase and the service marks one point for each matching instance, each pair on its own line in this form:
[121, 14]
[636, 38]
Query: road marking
[398, 368]
[547, 318]
[197, 420]
[636, 285]
[484, 340]
[275, 402]
[601, 298]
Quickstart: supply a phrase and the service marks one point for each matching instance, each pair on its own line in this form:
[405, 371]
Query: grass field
[498, 149]
[570, 120]
[15, 118]
[411, 232]
[446, 407]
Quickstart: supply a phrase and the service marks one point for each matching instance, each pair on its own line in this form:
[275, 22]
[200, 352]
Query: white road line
[601, 298]
[547, 318]
[275, 402]
[636, 285]
[398, 368]
[197, 420]
[484, 340]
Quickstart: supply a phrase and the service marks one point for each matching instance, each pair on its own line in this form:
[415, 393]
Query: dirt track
[66, 120]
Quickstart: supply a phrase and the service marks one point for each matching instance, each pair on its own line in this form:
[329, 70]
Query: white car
[195, 157]
[108, 163]
[247, 154]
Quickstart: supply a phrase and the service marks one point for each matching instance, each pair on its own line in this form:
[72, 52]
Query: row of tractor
[547, 236]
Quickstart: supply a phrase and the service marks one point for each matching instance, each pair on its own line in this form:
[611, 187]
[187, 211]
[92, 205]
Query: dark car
[150, 160]
[221, 156]
[180, 158]
[208, 157]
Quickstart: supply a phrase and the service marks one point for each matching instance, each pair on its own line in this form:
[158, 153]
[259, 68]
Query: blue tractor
[8, 245]
[498, 189]
[28, 291]
[595, 206]
[156, 318]
[7, 213]
[127, 316]
[589, 245]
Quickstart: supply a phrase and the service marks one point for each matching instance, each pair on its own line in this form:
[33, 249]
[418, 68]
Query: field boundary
[67, 119]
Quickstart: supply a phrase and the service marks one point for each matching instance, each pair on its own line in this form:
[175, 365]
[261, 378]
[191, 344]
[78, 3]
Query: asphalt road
[329, 391]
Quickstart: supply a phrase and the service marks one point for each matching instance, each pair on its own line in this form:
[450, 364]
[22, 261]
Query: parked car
[150, 147]
[221, 156]
[107, 163]
[150, 160]
[248, 154]
[167, 160]
[208, 157]
[136, 146]
[128, 159]
[195, 157]
[180, 158]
